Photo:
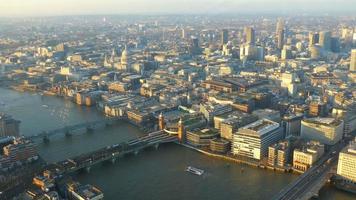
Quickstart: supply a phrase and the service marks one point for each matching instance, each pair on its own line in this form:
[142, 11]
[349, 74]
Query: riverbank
[234, 159]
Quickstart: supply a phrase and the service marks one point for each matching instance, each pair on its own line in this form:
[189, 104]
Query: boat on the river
[194, 170]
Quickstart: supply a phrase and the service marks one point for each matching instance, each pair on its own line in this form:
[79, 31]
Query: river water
[152, 174]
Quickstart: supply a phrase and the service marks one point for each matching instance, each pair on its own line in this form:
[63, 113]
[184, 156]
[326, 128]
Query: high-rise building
[280, 25]
[313, 38]
[325, 40]
[353, 60]
[8, 125]
[346, 167]
[184, 33]
[335, 44]
[286, 54]
[250, 35]
[291, 124]
[253, 140]
[280, 39]
[325, 130]
[224, 37]
[194, 46]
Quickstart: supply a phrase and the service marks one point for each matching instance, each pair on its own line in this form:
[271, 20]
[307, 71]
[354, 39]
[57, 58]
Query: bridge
[73, 129]
[110, 153]
[308, 185]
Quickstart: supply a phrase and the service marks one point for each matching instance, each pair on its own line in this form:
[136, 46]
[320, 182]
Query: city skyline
[91, 7]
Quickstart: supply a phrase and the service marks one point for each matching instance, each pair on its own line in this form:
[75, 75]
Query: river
[152, 174]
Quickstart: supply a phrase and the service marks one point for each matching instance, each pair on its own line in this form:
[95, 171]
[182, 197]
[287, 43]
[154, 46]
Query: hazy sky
[81, 7]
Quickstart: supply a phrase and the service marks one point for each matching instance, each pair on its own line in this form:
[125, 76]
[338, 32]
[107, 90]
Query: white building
[253, 140]
[325, 130]
[305, 157]
[210, 110]
[346, 167]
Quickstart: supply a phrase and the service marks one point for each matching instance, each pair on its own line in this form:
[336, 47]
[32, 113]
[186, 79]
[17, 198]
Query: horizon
[45, 8]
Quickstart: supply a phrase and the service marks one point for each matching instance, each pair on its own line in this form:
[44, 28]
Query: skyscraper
[224, 37]
[249, 35]
[325, 40]
[353, 60]
[280, 39]
[280, 25]
[313, 38]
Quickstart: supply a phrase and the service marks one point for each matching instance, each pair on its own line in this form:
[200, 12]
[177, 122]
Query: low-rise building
[325, 130]
[201, 138]
[220, 145]
[279, 154]
[305, 157]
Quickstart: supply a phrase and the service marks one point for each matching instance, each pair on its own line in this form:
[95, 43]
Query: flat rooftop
[262, 126]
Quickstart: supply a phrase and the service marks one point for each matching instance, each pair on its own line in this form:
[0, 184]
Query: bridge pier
[90, 128]
[136, 152]
[113, 160]
[156, 146]
[87, 169]
[46, 139]
[68, 134]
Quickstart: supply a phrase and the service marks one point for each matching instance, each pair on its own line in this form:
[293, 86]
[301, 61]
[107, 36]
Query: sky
[9, 8]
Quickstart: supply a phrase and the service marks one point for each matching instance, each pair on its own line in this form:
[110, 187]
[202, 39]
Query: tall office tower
[325, 40]
[184, 33]
[194, 46]
[335, 44]
[347, 162]
[280, 25]
[353, 60]
[280, 39]
[313, 38]
[224, 37]
[249, 35]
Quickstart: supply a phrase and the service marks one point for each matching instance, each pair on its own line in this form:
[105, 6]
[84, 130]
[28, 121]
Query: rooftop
[262, 126]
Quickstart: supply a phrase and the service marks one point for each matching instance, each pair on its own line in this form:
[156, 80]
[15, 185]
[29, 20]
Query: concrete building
[253, 140]
[224, 37]
[21, 150]
[291, 124]
[325, 130]
[353, 60]
[270, 114]
[9, 126]
[201, 138]
[313, 38]
[220, 145]
[346, 167]
[317, 109]
[325, 40]
[229, 123]
[280, 38]
[249, 35]
[305, 157]
[279, 154]
[77, 191]
[209, 110]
